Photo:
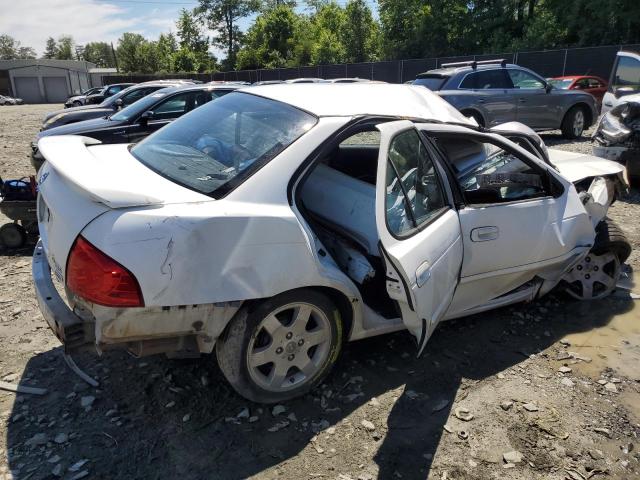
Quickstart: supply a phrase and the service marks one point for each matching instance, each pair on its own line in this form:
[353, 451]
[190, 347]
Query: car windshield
[217, 146]
[562, 84]
[432, 83]
[138, 108]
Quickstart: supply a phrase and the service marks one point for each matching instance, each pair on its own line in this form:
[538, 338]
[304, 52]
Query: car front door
[418, 227]
[536, 107]
[520, 220]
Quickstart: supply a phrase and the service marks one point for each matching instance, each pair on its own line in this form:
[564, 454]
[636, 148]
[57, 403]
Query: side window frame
[531, 74]
[553, 188]
[445, 192]
[476, 73]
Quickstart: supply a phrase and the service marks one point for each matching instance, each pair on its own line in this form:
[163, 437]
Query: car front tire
[574, 123]
[282, 347]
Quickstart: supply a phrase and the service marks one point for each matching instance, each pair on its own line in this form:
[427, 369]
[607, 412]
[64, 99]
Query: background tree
[167, 47]
[222, 16]
[11, 49]
[65, 49]
[360, 33]
[51, 48]
[329, 23]
[128, 51]
[99, 53]
[270, 40]
[192, 40]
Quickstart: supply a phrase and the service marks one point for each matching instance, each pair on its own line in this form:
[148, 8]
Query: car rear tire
[574, 123]
[77, 103]
[282, 347]
[13, 235]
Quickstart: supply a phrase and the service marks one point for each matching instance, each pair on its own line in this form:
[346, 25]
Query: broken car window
[215, 147]
[413, 193]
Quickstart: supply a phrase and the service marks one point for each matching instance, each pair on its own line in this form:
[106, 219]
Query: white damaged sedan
[279, 221]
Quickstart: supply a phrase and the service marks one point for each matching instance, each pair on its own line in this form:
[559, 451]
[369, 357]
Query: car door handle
[423, 273]
[484, 234]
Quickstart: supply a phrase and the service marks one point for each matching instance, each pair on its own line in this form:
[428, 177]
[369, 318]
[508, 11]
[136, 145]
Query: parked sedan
[120, 100]
[79, 100]
[278, 221]
[496, 92]
[142, 118]
[106, 92]
[596, 86]
[6, 100]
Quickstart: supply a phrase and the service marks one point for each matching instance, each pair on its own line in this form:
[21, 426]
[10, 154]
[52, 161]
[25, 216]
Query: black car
[133, 123]
[120, 100]
[108, 91]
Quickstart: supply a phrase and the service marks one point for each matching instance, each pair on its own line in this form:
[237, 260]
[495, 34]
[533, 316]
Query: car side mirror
[119, 103]
[145, 117]
[622, 91]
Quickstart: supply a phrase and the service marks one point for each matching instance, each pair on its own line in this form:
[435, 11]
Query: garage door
[27, 88]
[55, 89]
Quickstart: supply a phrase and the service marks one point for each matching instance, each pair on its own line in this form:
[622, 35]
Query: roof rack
[474, 64]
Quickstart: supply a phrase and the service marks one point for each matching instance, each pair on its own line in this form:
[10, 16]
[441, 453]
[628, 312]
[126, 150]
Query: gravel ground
[548, 390]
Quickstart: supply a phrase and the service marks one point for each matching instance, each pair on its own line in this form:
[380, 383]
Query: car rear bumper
[71, 330]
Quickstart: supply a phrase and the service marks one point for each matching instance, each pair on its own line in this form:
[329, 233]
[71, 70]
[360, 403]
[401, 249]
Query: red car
[596, 86]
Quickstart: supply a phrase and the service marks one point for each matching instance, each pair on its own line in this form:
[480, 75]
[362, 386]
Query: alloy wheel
[595, 277]
[289, 347]
[578, 123]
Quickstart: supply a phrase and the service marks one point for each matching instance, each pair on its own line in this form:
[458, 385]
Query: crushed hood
[578, 166]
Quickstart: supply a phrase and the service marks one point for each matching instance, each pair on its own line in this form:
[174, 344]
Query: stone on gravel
[530, 407]
[36, 440]
[463, 414]
[564, 369]
[277, 410]
[610, 387]
[253, 419]
[54, 459]
[506, 405]
[78, 465]
[566, 382]
[596, 454]
[11, 377]
[87, 401]
[440, 405]
[603, 431]
[512, 457]
[61, 438]
[186, 418]
[368, 425]
[244, 413]
[279, 426]
[57, 470]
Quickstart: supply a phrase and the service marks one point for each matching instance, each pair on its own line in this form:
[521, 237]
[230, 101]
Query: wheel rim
[595, 277]
[578, 123]
[289, 347]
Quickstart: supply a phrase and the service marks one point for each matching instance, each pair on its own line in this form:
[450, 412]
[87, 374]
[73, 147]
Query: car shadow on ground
[158, 418]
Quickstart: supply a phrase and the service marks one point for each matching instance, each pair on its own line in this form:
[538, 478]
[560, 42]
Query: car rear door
[418, 227]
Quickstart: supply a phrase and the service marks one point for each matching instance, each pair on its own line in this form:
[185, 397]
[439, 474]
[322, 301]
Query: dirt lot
[158, 419]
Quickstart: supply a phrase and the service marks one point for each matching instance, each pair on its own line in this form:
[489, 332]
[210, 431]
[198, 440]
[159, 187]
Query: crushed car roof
[356, 99]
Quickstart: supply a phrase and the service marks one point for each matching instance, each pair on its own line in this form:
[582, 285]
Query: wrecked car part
[75, 369]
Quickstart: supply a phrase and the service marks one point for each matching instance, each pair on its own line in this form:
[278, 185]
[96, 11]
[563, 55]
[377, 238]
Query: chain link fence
[548, 63]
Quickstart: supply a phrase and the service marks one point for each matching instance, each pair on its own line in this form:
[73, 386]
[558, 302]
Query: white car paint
[198, 259]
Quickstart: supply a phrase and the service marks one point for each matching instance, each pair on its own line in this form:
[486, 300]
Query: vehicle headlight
[53, 119]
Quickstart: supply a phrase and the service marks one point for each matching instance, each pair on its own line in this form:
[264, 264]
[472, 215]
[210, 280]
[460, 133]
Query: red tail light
[99, 279]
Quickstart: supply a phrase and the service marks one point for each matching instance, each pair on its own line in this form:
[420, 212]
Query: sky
[32, 21]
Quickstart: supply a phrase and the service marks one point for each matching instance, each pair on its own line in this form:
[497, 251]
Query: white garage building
[44, 81]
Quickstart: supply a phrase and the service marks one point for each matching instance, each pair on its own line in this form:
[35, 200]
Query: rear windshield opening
[217, 146]
[432, 83]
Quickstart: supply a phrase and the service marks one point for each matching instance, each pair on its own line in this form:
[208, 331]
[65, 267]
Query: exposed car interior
[338, 196]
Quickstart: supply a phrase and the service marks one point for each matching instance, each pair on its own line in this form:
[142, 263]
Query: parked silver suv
[495, 92]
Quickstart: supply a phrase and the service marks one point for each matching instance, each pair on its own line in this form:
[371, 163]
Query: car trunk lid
[80, 182]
